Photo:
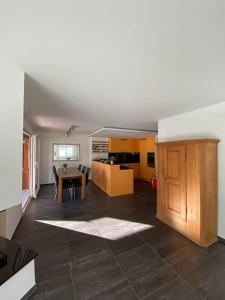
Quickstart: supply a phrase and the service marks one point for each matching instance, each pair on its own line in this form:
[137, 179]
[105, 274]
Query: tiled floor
[105, 249]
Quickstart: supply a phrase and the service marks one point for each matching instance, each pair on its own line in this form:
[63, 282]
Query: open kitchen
[117, 162]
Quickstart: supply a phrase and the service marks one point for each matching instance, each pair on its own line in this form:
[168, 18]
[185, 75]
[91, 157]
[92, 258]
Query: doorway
[26, 170]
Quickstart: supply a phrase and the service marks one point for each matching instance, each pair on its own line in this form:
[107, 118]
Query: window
[66, 152]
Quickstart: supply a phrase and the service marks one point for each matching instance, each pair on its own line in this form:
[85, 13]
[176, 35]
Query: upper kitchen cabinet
[123, 145]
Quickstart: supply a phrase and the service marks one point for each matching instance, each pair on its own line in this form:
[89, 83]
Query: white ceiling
[122, 63]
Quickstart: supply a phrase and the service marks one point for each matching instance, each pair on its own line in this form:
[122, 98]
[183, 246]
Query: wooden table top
[69, 173]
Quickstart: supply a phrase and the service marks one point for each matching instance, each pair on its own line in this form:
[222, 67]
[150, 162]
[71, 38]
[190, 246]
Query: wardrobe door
[175, 185]
[160, 173]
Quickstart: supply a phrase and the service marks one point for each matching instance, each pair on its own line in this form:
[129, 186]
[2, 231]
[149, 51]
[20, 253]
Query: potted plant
[65, 165]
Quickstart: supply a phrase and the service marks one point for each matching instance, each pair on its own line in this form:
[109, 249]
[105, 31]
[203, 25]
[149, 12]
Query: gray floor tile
[145, 270]
[97, 277]
[208, 279]
[117, 294]
[176, 290]
[219, 257]
[56, 289]
[115, 249]
[123, 239]
[52, 272]
[85, 248]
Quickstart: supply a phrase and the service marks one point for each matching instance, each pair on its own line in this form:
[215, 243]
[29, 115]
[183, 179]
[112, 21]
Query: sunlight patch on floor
[109, 228]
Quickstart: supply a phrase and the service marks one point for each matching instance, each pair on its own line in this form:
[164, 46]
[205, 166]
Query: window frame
[65, 144]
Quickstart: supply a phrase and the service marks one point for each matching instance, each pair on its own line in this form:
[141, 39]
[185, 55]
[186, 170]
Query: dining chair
[77, 183]
[67, 183]
[87, 173]
[84, 168]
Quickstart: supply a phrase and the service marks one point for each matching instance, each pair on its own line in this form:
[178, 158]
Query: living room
[112, 124]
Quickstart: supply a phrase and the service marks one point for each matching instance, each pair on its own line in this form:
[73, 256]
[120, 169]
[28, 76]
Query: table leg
[83, 187]
[60, 190]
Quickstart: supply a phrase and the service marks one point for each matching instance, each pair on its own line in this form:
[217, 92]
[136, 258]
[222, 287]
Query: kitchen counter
[13, 258]
[17, 273]
[115, 180]
[134, 166]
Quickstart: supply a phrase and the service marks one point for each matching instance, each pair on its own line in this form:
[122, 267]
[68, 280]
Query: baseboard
[36, 192]
[44, 184]
[30, 293]
[26, 205]
[221, 240]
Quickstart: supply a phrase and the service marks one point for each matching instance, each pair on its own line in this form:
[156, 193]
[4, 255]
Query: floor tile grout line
[123, 273]
[74, 288]
[127, 279]
[145, 244]
[173, 271]
[52, 279]
[127, 251]
[158, 289]
[178, 275]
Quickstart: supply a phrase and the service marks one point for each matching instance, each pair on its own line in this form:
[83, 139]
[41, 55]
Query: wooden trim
[215, 141]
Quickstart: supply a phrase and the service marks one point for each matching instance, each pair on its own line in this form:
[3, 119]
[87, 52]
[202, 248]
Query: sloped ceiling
[115, 63]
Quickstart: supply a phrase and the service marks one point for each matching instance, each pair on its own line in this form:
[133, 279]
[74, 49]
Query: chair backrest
[55, 174]
[87, 173]
[84, 168]
[79, 167]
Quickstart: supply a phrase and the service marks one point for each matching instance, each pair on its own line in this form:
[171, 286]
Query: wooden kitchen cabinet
[123, 145]
[146, 145]
[136, 169]
[187, 188]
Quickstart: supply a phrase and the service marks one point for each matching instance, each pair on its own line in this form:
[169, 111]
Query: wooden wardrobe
[187, 188]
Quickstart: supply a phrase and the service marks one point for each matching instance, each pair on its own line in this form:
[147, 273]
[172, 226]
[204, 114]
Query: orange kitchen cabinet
[146, 145]
[123, 145]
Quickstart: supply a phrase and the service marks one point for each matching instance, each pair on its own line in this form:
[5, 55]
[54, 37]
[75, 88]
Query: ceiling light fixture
[72, 129]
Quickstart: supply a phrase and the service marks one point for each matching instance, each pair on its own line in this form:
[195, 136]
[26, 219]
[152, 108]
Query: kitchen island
[115, 180]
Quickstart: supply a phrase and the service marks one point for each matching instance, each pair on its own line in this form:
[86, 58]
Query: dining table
[70, 173]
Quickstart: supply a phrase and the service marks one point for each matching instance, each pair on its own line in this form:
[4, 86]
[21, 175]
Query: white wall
[11, 132]
[208, 122]
[47, 140]
[11, 137]
[12, 218]
[27, 124]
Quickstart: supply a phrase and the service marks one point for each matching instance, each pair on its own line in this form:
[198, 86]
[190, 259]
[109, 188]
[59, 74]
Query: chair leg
[55, 193]
[74, 192]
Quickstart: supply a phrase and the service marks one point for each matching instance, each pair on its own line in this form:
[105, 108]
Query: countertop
[124, 165]
[17, 257]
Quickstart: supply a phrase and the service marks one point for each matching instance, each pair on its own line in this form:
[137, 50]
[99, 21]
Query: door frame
[35, 184]
[34, 159]
[25, 132]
